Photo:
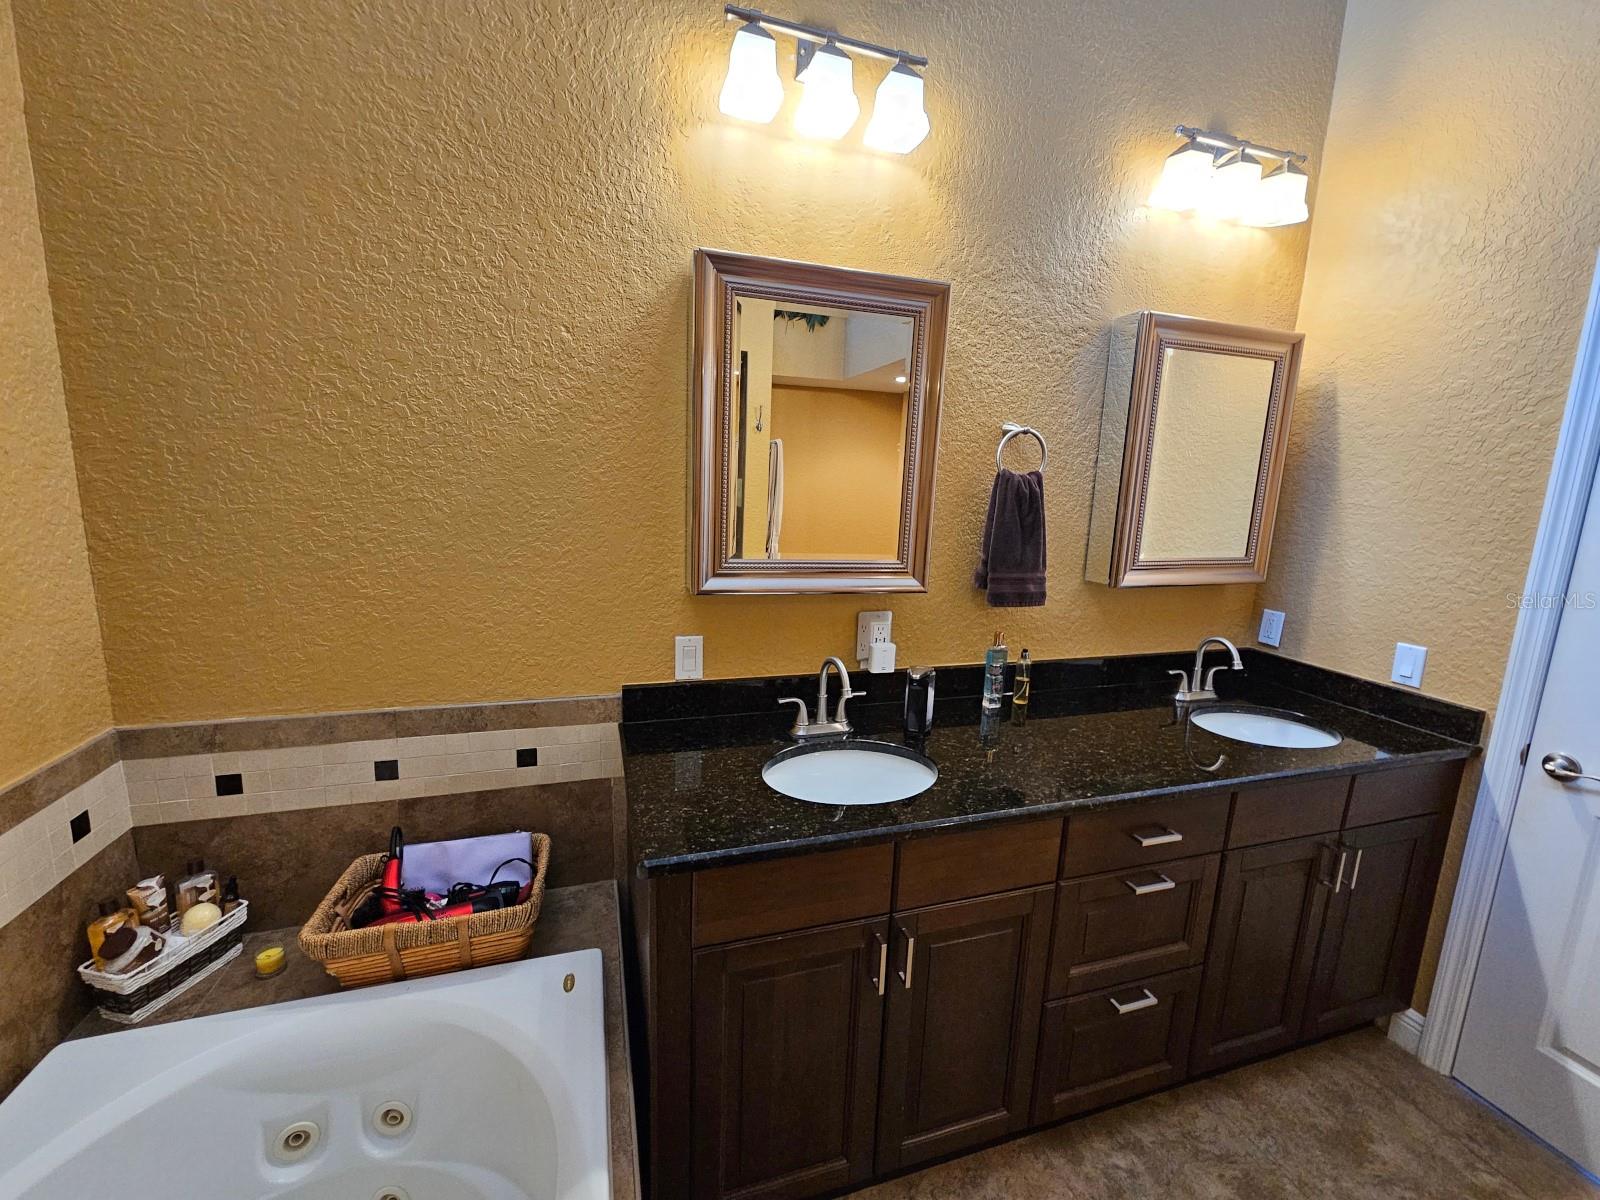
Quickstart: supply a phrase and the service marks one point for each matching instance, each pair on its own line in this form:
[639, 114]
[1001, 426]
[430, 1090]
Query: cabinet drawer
[1135, 835]
[755, 899]
[1114, 1044]
[1380, 796]
[956, 866]
[1276, 812]
[1132, 924]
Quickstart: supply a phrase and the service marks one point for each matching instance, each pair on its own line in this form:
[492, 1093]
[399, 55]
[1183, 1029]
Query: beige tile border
[38, 853]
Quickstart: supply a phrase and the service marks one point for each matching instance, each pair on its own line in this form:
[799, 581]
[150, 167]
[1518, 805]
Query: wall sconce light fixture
[828, 106]
[1230, 179]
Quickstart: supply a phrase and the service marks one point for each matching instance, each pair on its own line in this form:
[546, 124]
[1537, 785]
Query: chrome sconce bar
[1226, 178]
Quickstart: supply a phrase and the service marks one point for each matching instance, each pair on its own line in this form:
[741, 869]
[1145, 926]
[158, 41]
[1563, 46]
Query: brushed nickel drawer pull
[1162, 884]
[1338, 880]
[911, 954]
[1163, 836]
[1148, 1000]
[1355, 871]
[883, 963]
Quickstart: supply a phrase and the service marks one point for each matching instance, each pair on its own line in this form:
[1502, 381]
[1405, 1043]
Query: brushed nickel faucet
[803, 726]
[1190, 687]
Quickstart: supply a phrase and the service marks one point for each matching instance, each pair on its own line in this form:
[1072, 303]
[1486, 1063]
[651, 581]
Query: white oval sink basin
[852, 773]
[1265, 729]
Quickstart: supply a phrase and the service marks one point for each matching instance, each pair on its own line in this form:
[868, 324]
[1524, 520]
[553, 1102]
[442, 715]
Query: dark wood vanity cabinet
[963, 1020]
[787, 1031]
[821, 1020]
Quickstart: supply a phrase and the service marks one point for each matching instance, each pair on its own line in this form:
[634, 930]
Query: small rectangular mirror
[816, 426]
[1192, 432]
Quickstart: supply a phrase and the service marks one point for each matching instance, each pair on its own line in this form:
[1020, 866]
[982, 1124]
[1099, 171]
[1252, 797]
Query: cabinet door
[786, 1038]
[965, 990]
[1377, 917]
[1269, 910]
[1114, 1045]
[1131, 924]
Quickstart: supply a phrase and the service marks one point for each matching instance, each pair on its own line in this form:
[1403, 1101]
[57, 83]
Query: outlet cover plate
[864, 622]
[1271, 633]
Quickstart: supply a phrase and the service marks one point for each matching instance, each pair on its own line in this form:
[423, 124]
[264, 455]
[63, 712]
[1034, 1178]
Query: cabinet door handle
[1162, 884]
[911, 954]
[883, 961]
[1355, 871]
[1338, 879]
[1158, 835]
[1148, 1000]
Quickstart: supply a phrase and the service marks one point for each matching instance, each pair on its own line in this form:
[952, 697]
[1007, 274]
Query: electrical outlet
[871, 627]
[1409, 662]
[1271, 633]
[689, 657]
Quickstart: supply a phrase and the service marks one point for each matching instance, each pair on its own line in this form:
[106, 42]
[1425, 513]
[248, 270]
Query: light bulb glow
[828, 104]
[1185, 178]
[1233, 186]
[1280, 198]
[899, 122]
[752, 91]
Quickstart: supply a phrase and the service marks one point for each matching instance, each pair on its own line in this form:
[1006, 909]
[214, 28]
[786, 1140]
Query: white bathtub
[496, 1077]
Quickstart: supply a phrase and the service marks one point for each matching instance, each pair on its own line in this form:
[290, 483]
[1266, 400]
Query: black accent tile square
[230, 785]
[527, 756]
[80, 826]
[386, 768]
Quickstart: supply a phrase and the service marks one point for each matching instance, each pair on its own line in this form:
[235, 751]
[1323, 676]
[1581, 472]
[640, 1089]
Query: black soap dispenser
[919, 702]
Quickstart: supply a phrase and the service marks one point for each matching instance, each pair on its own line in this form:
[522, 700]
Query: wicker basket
[385, 953]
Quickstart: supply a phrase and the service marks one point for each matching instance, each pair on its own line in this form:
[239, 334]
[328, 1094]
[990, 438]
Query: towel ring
[1012, 430]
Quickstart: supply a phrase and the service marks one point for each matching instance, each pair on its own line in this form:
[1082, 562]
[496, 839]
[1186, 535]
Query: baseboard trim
[1405, 1030]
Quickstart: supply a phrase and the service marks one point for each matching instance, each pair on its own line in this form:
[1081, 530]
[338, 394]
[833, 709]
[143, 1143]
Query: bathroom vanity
[1082, 909]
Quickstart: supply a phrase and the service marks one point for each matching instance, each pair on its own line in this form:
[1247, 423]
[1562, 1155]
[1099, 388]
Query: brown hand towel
[1011, 560]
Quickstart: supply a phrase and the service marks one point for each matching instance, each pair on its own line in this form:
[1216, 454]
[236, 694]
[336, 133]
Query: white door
[1531, 1044]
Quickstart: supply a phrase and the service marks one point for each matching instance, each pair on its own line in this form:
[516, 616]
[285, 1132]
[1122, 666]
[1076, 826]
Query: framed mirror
[816, 424]
[1193, 428]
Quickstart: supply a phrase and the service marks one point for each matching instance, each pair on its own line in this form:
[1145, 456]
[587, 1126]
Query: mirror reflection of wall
[1206, 456]
[820, 398]
[1192, 434]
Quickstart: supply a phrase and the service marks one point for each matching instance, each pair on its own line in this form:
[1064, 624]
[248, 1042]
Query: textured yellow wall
[52, 675]
[375, 317]
[1455, 235]
[1454, 240]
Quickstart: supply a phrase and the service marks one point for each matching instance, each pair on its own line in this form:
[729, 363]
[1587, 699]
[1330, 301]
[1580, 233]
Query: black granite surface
[1111, 735]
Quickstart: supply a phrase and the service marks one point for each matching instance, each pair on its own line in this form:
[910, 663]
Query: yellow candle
[270, 961]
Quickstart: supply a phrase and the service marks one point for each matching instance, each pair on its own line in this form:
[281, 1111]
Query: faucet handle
[1211, 675]
[1183, 680]
[804, 718]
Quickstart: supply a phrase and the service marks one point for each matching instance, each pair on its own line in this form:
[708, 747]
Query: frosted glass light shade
[899, 122]
[752, 91]
[828, 105]
[1233, 186]
[1280, 198]
[1185, 178]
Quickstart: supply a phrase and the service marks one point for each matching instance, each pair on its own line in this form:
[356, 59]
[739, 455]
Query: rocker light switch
[1409, 662]
[690, 657]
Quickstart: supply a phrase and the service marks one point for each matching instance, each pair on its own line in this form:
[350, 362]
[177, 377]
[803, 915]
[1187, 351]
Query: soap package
[436, 867]
[149, 900]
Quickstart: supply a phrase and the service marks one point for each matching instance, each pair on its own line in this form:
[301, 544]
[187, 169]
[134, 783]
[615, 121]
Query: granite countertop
[572, 918]
[696, 797]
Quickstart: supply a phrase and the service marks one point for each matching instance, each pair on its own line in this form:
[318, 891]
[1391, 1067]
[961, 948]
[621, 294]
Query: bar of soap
[270, 961]
[200, 917]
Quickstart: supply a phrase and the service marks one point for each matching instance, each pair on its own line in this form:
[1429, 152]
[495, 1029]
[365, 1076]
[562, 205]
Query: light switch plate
[1409, 662]
[689, 657]
[864, 624]
[1271, 627]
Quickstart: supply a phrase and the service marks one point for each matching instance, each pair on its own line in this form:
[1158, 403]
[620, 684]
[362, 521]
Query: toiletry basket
[132, 996]
[385, 953]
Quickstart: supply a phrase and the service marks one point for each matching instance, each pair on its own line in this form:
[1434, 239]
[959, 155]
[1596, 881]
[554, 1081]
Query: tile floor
[1352, 1117]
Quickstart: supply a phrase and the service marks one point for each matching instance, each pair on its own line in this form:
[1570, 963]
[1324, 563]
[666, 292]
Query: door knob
[1565, 769]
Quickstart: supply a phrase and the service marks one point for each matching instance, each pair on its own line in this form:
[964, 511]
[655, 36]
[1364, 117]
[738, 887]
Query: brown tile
[279, 733]
[514, 714]
[166, 741]
[577, 816]
[40, 950]
[28, 795]
[286, 862]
